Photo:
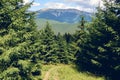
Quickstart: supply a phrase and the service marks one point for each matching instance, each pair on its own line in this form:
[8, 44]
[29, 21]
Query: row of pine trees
[94, 47]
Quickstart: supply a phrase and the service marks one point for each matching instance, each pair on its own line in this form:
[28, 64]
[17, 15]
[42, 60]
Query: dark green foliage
[47, 45]
[100, 48]
[82, 23]
[53, 48]
[96, 48]
[71, 46]
[62, 52]
[17, 30]
[68, 37]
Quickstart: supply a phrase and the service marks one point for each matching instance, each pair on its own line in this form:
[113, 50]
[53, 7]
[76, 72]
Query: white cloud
[96, 3]
[54, 5]
[87, 3]
[93, 2]
[26, 1]
[85, 9]
[36, 4]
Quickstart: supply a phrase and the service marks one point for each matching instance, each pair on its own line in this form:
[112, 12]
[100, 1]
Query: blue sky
[84, 5]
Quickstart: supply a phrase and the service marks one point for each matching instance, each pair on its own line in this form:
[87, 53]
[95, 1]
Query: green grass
[66, 72]
[57, 26]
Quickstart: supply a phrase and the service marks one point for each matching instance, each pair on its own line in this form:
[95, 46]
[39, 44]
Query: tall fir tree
[101, 48]
[62, 52]
[17, 30]
[48, 45]
[71, 46]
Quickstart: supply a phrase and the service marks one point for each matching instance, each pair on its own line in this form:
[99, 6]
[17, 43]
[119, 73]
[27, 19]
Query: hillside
[57, 26]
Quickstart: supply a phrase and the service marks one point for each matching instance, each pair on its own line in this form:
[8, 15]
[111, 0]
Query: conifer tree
[71, 46]
[82, 23]
[47, 45]
[68, 37]
[62, 52]
[17, 30]
[100, 49]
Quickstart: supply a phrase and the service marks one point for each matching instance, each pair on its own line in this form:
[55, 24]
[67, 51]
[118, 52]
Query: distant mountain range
[63, 15]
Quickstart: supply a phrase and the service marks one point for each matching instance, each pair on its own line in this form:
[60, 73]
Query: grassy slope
[57, 26]
[65, 72]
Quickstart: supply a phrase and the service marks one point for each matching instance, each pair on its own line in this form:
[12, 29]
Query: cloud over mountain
[83, 5]
[34, 3]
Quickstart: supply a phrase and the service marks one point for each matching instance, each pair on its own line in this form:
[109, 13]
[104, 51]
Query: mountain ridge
[63, 15]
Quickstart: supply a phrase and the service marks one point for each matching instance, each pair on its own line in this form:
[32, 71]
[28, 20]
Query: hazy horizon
[83, 5]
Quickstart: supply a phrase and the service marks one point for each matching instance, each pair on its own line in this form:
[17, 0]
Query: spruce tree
[17, 30]
[100, 49]
[71, 46]
[62, 52]
[47, 45]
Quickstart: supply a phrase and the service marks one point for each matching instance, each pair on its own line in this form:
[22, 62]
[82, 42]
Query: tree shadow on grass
[107, 73]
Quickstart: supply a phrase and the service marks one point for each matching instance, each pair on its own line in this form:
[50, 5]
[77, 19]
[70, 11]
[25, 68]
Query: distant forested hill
[58, 26]
[63, 15]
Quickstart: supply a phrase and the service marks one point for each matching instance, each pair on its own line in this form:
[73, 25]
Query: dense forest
[24, 49]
